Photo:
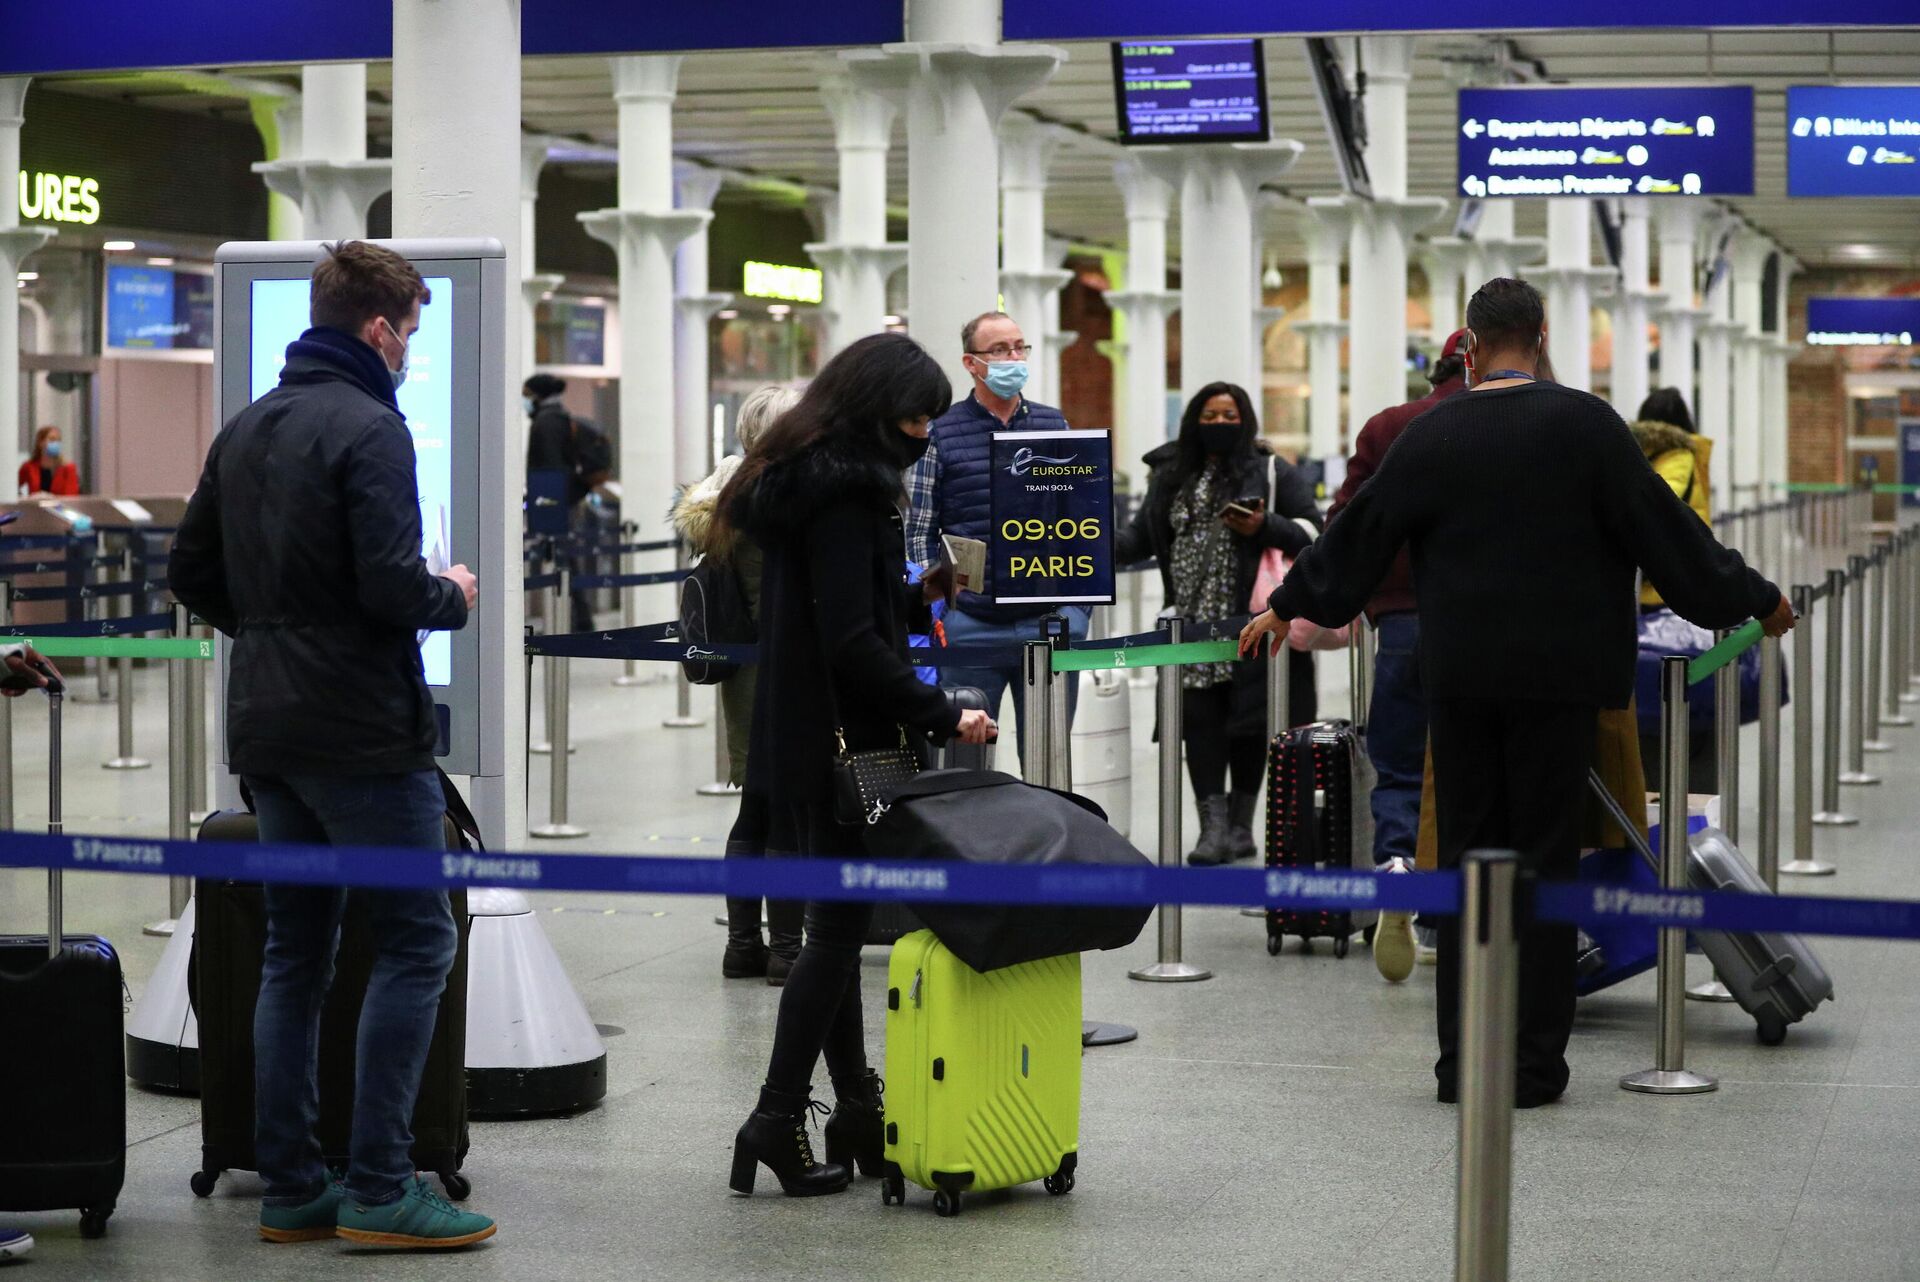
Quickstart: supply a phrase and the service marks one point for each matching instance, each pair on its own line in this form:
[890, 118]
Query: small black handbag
[863, 780]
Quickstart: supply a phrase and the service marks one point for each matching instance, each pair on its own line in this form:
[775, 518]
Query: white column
[1029, 277]
[1497, 251]
[1632, 303]
[332, 179]
[456, 159]
[1715, 415]
[276, 118]
[1054, 339]
[1679, 317]
[16, 242]
[644, 230]
[855, 258]
[1217, 184]
[1325, 229]
[1775, 451]
[694, 306]
[1145, 303]
[1570, 279]
[534, 283]
[956, 81]
[1444, 260]
[1750, 254]
[1264, 316]
[1382, 228]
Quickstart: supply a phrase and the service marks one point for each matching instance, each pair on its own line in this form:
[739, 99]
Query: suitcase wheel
[946, 1205]
[1341, 945]
[457, 1185]
[1770, 1029]
[893, 1191]
[203, 1182]
[93, 1221]
[1059, 1185]
[1274, 940]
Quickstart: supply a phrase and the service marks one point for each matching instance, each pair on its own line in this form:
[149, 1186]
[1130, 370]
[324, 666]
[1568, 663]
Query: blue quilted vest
[963, 436]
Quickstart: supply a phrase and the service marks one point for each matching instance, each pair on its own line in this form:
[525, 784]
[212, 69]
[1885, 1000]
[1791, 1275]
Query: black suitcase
[891, 918]
[63, 1073]
[1319, 816]
[229, 943]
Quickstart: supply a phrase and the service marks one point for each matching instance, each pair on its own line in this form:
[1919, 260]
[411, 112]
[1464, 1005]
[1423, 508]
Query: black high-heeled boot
[856, 1133]
[746, 955]
[785, 919]
[775, 1137]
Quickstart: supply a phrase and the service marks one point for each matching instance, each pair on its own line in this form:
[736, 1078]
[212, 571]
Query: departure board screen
[1190, 91]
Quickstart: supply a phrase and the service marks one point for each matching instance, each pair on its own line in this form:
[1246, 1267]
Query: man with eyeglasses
[950, 491]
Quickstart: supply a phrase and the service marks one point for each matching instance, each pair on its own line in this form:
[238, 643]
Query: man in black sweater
[1527, 508]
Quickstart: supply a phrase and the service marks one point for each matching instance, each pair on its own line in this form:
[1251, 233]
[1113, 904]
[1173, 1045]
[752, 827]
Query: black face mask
[1221, 438]
[907, 450]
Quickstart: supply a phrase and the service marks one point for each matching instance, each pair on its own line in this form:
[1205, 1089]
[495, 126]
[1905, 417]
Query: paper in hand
[968, 557]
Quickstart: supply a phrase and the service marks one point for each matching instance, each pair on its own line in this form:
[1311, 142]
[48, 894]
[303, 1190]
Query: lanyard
[1494, 375]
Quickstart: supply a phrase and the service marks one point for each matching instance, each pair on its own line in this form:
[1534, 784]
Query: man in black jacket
[302, 543]
[1527, 508]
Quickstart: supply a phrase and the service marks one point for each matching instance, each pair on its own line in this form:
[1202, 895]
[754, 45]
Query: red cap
[1454, 340]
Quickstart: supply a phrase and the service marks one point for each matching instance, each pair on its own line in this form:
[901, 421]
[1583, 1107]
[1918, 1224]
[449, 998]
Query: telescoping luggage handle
[1619, 814]
[56, 909]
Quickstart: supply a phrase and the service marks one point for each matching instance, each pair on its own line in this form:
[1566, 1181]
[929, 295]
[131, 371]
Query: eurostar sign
[789, 284]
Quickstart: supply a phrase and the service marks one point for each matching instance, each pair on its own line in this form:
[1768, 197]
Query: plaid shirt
[923, 492]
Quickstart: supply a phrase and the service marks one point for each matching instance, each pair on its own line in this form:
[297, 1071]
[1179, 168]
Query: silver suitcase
[1775, 977]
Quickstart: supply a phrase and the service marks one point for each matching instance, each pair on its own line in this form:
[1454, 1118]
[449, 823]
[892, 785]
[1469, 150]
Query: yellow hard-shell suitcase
[983, 1074]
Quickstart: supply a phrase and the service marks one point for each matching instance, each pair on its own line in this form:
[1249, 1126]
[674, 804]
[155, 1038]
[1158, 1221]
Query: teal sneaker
[420, 1218]
[307, 1223]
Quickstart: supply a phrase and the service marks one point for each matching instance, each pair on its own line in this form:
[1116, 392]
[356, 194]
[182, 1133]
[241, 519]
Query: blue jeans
[963, 629]
[1397, 738]
[418, 941]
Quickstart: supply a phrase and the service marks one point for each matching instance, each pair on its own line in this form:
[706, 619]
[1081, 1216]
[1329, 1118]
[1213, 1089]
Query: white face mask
[399, 375]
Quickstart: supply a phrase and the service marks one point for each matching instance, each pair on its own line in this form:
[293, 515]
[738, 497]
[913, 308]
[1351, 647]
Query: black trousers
[1211, 751]
[1512, 775]
[820, 1005]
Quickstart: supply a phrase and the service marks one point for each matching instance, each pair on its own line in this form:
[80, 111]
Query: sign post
[1052, 505]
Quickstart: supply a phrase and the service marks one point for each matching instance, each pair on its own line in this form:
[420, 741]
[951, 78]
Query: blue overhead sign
[1130, 19]
[1863, 322]
[1853, 140]
[1190, 91]
[123, 35]
[1649, 141]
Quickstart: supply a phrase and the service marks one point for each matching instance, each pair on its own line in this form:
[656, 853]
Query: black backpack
[713, 611]
[592, 453]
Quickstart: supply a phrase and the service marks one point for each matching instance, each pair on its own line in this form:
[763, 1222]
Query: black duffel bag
[985, 817]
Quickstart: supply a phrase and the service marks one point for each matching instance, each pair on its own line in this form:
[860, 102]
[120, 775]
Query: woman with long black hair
[1217, 499]
[820, 492]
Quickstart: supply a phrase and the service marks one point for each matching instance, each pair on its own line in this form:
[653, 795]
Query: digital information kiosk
[453, 401]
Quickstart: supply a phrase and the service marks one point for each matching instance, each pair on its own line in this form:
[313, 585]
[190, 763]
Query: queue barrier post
[1830, 815]
[1726, 730]
[1803, 864]
[1875, 587]
[95, 608]
[559, 602]
[124, 758]
[1856, 775]
[1893, 633]
[1489, 1025]
[179, 765]
[1669, 1074]
[1170, 968]
[6, 722]
[630, 617]
[722, 785]
[1036, 744]
[1769, 810]
[559, 724]
[197, 809]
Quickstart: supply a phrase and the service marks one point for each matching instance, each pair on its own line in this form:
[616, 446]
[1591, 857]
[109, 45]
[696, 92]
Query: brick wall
[1086, 374]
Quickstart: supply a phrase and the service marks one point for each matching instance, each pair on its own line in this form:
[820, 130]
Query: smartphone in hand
[1245, 507]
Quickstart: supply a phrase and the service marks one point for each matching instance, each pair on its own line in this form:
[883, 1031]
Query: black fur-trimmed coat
[835, 610]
